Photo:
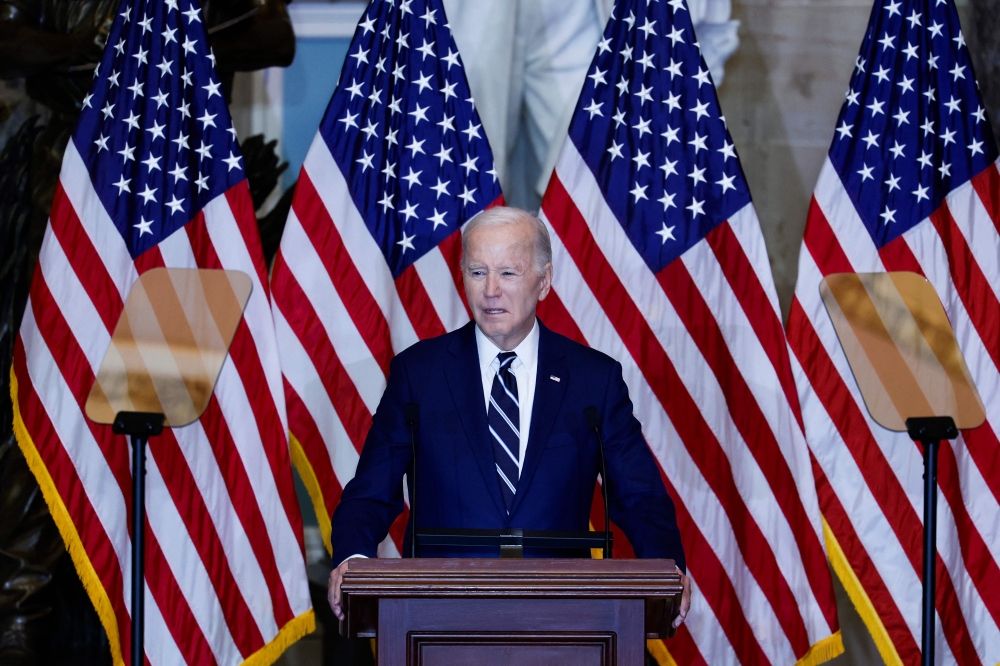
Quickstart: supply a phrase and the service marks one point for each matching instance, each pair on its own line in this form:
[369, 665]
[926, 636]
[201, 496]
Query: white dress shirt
[525, 368]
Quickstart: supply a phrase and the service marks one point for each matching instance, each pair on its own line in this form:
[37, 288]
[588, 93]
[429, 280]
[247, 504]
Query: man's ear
[546, 282]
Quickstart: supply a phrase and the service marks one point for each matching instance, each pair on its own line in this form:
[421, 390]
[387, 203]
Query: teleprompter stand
[159, 371]
[912, 377]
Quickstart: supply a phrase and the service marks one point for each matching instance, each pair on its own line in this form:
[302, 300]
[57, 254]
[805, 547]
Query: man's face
[501, 282]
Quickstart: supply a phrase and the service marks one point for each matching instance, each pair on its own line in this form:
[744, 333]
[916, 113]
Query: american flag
[369, 259]
[660, 262]
[910, 184]
[153, 177]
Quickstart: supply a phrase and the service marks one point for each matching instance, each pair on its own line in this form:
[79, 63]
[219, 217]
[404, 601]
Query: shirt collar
[527, 351]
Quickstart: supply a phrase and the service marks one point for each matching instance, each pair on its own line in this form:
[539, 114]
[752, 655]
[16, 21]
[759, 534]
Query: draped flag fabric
[660, 262]
[369, 259]
[910, 184]
[153, 177]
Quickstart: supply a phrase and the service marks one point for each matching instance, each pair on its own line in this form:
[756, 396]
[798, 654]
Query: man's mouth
[494, 311]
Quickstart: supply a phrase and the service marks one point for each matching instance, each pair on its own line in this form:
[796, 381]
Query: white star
[205, 150]
[906, 84]
[178, 173]
[697, 175]
[888, 216]
[355, 89]
[390, 170]
[646, 61]
[148, 194]
[960, 40]
[921, 193]
[412, 178]
[156, 130]
[188, 44]
[86, 101]
[192, 15]
[866, 172]
[451, 58]
[140, 56]
[397, 72]
[348, 120]
[644, 95]
[127, 14]
[910, 51]
[882, 74]
[638, 192]
[598, 76]
[702, 77]
[928, 127]
[101, 143]
[932, 61]
[493, 172]
[122, 185]
[930, 94]
[697, 208]
[948, 137]
[145, 23]
[404, 7]
[186, 77]
[428, 18]
[181, 141]
[935, 29]
[647, 28]
[213, 89]
[726, 183]
[438, 219]
[669, 167]
[893, 8]
[672, 101]
[144, 227]
[424, 82]
[360, 57]
[604, 45]
[676, 35]
[641, 159]
[887, 41]
[207, 120]
[859, 64]
[699, 142]
[902, 117]
[365, 161]
[370, 130]
[914, 19]
[120, 47]
[897, 150]
[168, 35]
[443, 155]
[426, 49]
[844, 130]
[957, 72]
[394, 105]
[700, 109]
[979, 114]
[667, 233]
[449, 91]
[622, 85]
[386, 203]
[671, 135]
[402, 42]
[136, 89]
[441, 188]
[630, 20]
[678, 5]
[160, 98]
[976, 147]
[876, 107]
[727, 150]
[924, 159]
[594, 109]
[390, 137]
[643, 126]
[892, 182]
[615, 150]
[852, 97]
[176, 205]
[407, 242]
[202, 182]
[945, 169]
[470, 165]
[368, 25]
[674, 68]
[132, 121]
[415, 147]
[472, 131]
[467, 195]
[113, 79]
[410, 210]
[380, 66]
[447, 123]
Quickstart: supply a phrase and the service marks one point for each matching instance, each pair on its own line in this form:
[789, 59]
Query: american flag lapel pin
[554, 378]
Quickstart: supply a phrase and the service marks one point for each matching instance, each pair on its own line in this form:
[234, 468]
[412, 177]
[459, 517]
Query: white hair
[503, 215]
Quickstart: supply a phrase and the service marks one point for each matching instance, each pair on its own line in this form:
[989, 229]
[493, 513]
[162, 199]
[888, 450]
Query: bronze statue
[54, 46]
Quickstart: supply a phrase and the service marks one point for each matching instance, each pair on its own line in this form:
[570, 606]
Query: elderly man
[502, 441]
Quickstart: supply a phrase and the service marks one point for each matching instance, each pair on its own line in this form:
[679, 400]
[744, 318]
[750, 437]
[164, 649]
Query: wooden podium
[510, 611]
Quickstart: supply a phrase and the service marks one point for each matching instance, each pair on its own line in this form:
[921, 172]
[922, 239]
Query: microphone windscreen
[592, 417]
[411, 412]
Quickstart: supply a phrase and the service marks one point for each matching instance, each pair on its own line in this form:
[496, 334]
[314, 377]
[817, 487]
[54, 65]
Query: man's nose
[492, 285]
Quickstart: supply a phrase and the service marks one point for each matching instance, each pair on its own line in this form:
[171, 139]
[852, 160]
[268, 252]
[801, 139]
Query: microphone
[593, 420]
[411, 414]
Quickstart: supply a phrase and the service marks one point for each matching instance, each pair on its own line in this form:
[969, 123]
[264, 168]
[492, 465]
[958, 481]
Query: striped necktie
[504, 418]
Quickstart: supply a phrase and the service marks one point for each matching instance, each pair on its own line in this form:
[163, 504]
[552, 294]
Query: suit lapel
[466, 386]
[548, 398]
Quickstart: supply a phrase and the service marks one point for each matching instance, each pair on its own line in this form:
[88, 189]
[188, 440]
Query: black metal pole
[138, 546]
[930, 551]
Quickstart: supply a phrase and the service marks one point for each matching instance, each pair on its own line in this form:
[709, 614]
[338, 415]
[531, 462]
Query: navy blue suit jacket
[457, 480]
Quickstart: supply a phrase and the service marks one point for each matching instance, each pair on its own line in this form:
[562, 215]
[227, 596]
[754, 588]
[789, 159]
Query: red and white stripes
[225, 570]
[703, 355]
[869, 479]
